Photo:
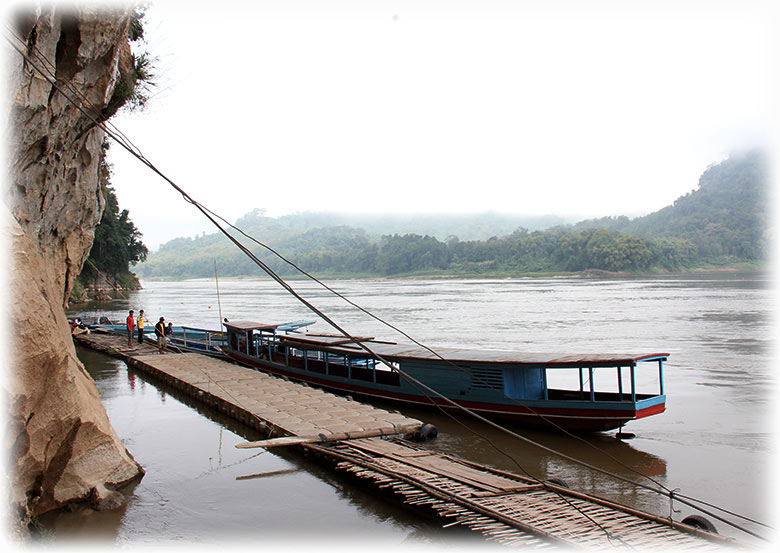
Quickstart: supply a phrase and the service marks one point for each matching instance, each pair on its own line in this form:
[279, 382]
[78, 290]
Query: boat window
[388, 373]
[390, 366]
[607, 383]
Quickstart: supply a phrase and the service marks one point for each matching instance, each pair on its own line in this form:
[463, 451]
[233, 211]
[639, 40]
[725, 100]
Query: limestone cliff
[63, 448]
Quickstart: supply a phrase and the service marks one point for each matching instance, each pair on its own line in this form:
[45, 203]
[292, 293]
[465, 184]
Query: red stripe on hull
[654, 410]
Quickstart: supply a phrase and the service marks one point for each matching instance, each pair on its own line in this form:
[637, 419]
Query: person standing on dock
[130, 328]
[141, 326]
[159, 330]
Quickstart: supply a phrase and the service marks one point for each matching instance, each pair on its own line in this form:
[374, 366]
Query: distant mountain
[724, 221]
[727, 216]
[331, 242]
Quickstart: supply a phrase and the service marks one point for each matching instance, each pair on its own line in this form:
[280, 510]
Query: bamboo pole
[340, 436]
[219, 301]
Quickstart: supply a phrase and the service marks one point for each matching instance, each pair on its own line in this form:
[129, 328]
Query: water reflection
[479, 442]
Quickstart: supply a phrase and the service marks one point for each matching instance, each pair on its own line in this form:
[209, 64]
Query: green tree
[117, 243]
[410, 252]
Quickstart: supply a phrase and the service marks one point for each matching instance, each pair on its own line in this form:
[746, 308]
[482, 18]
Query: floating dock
[365, 443]
[275, 406]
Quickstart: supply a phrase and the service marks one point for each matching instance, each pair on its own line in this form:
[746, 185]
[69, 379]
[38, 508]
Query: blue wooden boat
[182, 338]
[518, 387]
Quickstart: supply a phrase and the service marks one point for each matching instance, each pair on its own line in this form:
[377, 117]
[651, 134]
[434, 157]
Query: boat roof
[251, 325]
[397, 352]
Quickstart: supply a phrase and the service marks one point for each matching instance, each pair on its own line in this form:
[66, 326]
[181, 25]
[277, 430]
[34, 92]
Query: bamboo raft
[364, 443]
[507, 508]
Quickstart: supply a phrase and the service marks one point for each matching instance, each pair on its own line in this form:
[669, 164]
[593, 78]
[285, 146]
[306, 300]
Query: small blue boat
[181, 338]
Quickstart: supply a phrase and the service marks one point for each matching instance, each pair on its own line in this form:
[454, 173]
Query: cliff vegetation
[116, 247]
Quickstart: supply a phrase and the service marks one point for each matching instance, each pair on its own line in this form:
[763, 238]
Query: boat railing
[211, 339]
[272, 347]
[586, 387]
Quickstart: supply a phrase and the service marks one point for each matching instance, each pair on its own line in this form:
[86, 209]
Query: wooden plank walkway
[506, 508]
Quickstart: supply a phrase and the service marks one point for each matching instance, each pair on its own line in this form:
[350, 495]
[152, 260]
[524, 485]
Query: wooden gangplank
[507, 508]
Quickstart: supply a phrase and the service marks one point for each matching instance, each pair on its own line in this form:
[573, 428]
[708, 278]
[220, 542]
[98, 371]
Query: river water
[714, 442]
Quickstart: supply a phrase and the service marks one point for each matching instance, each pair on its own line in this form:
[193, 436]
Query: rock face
[62, 446]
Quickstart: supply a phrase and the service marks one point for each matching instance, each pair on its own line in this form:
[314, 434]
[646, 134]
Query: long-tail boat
[540, 389]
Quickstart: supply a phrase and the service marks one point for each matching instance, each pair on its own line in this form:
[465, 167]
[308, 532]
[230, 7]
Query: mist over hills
[724, 221]
[466, 226]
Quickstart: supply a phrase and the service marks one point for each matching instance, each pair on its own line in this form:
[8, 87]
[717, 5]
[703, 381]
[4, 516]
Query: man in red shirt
[130, 328]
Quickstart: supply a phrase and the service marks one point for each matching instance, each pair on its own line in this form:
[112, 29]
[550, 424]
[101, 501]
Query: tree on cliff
[117, 244]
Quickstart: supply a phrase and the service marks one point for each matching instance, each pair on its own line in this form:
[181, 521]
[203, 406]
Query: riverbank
[103, 288]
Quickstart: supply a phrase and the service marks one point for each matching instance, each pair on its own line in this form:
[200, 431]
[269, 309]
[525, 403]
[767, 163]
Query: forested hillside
[724, 221]
[726, 217]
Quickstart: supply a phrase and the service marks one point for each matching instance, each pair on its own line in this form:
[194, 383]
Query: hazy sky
[586, 108]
